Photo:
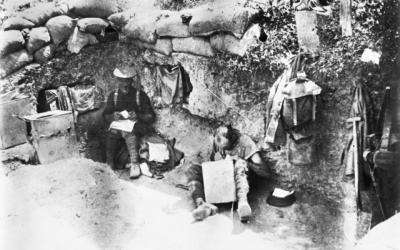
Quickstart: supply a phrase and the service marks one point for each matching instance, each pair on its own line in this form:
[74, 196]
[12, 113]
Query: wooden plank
[219, 181]
[306, 25]
[345, 17]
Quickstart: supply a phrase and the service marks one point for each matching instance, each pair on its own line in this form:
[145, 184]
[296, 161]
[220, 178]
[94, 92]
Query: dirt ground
[82, 204]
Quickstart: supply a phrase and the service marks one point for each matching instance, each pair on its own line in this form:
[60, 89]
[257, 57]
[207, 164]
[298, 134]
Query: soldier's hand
[117, 116]
[132, 115]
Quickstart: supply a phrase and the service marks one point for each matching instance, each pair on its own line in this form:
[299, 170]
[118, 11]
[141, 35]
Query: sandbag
[170, 24]
[60, 28]
[141, 27]
[78, 40]
[92, 25]
[208, 19]
[13, 62]
[37, 38]
[192, 45]
[119, 20]
[230, 44]
[162, 45]
[44, 54]
[17, 23]
[93, 8]
[43, 12]
[11, 41]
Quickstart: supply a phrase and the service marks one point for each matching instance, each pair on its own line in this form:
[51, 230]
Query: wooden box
[53, 135]
[13, 129]
[219, 181]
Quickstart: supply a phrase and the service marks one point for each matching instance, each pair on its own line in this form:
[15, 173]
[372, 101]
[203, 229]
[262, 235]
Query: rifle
[374, 156]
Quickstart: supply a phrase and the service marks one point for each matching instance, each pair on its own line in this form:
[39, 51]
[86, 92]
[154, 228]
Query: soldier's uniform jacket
[134, 100]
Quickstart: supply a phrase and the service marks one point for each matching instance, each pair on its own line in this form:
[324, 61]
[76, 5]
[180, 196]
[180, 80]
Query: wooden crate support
[53, 135]
[345, 17]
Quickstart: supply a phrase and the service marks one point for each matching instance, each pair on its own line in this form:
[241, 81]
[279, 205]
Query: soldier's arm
[109, 113]
[258, 165]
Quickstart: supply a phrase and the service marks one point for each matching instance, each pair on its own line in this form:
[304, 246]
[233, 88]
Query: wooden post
[306, 25]
[345, 17]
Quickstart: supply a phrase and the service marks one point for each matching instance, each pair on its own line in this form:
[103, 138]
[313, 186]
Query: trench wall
[217, 96]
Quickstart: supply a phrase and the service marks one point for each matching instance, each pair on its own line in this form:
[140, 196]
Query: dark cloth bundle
[173, 84]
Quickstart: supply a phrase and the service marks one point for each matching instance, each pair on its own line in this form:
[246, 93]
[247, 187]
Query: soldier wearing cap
[133, 100]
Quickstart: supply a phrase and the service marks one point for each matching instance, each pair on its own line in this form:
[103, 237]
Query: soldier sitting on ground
[228, 142]
[128, 97]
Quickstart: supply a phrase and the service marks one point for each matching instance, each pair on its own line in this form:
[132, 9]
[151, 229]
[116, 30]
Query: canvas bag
[299, 104]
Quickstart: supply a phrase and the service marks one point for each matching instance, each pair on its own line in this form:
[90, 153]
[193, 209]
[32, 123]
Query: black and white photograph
[199, 124]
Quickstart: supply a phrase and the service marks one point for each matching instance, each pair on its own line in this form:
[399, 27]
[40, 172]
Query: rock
[60, 28]
[43, 12]
[162, 45]
[24, 152]
[230, 44]
[13, 62]
[93, 8]
[37, 38]
[193, 45]
[11, 41]
[142, 27]
[78, 40]
[44, 54]
[170, 24]
[92, 25]
[17, 23]
[211, 18]
[120, 19]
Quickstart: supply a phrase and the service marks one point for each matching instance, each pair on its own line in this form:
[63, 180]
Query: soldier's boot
[242, 189]
[203, 209]
[132, 144]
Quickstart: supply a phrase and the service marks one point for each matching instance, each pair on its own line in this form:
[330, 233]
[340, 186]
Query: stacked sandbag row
[199, 31]
[34, 34]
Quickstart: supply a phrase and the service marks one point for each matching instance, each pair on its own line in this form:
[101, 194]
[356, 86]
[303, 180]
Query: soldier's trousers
[113, 144]
[132, 141]
[195, 180]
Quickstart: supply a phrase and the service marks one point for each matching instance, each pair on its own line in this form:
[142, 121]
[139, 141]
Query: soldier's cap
[124, 73]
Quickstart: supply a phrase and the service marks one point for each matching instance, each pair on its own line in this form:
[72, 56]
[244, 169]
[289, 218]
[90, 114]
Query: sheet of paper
[123, 125]
[281, 193]
[124, 114]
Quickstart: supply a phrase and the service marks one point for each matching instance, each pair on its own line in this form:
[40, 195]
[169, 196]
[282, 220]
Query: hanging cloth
[173, 84]
[361, 107]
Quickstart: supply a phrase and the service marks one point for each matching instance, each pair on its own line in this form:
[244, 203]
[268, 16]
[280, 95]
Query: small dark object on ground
[281, 201]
